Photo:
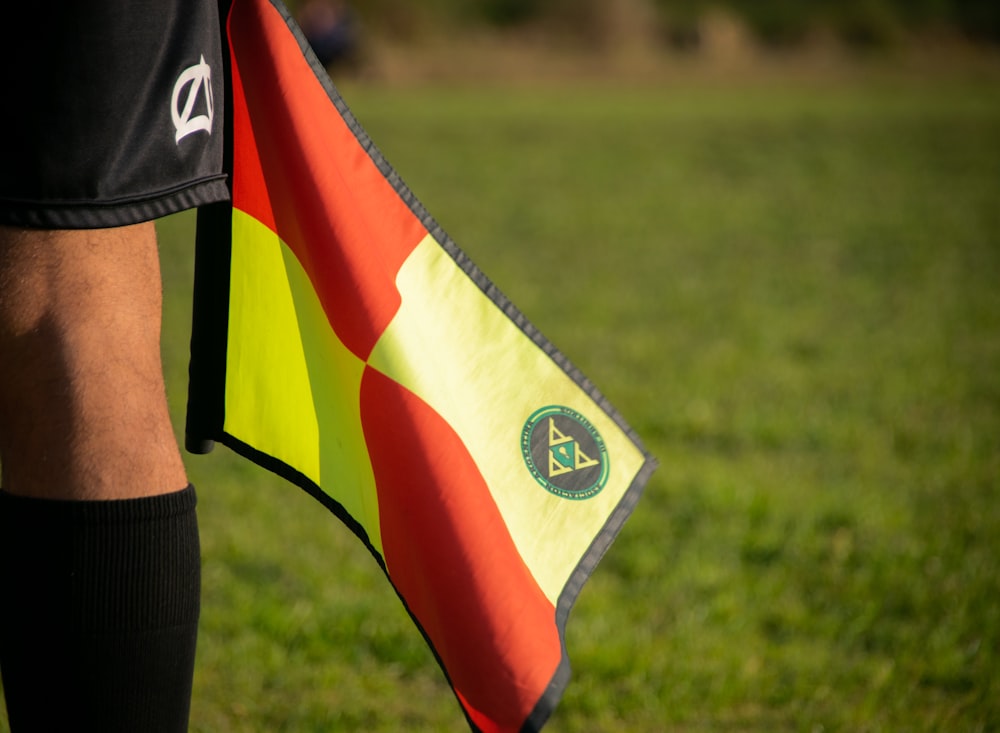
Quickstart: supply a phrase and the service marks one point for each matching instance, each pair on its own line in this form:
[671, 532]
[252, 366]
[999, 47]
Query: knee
[34, 381]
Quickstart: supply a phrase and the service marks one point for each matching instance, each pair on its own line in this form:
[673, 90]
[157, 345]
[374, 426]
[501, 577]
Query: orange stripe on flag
[451, 558]
[329, 202]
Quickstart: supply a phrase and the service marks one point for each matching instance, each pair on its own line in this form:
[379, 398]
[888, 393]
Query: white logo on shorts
[195, 78]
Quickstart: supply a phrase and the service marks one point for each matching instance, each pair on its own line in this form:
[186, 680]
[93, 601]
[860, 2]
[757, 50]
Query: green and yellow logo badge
[564, 453]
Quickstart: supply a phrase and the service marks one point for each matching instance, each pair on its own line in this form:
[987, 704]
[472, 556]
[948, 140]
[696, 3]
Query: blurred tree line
[775, 23]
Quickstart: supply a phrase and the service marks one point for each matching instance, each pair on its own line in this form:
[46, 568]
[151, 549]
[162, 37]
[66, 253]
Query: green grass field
[793, 295]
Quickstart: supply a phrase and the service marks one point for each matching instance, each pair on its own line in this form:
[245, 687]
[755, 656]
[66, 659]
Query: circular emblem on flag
[565, 453]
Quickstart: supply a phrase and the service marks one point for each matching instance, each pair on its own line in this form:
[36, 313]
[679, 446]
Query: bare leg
[99, 555]
[83, 414]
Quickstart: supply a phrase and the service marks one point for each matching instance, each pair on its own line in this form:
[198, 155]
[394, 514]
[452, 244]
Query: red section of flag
[450, 556]
[315, 184]
[249, 189]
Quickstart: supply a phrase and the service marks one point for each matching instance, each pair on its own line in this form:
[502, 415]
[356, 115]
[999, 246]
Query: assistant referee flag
[343, 341]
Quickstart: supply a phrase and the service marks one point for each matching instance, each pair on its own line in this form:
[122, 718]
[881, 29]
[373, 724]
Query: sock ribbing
[99, 620]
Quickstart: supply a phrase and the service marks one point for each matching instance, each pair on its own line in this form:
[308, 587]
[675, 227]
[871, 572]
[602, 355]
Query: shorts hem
[108, 214]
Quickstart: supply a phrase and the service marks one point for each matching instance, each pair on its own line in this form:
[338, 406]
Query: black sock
[99, 613]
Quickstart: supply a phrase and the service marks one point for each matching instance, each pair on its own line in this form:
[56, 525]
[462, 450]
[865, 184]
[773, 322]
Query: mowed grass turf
[793, 295]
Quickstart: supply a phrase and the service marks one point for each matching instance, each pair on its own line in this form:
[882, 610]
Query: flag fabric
[342, 340]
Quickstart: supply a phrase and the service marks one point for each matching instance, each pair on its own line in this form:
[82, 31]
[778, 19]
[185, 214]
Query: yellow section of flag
[465, 358]
[291, 386]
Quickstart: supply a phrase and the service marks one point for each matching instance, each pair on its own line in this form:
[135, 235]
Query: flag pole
[210, 303]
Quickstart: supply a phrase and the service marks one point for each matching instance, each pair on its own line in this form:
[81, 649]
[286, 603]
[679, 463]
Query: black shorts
[112, 111]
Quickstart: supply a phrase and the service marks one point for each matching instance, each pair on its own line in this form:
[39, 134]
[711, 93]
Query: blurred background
[769, 231]
[532, 38]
